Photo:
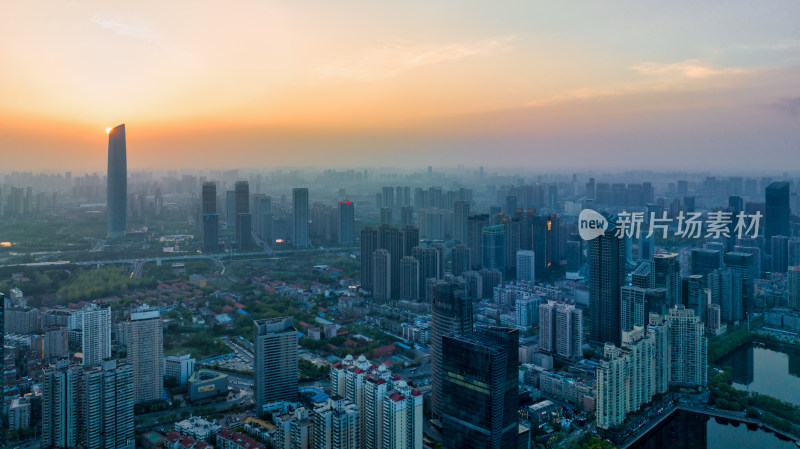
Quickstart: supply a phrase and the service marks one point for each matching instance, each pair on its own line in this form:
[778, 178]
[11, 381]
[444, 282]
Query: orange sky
[371, 83]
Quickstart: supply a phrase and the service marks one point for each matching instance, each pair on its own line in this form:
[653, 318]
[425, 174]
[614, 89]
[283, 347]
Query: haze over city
[522, 84]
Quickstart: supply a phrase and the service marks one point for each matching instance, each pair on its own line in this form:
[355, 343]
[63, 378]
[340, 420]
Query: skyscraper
[382, 281]
[230, 210]
[451, 313]
[606, 276]
[479, 389]
[61, 411]
[780, 253]
[107, 393]
[346, 223]
[493, 247]
[475, 225]
[95, 325]
[145, 334]
[460, 216]
[275, 367]
[300, 210]
[409, 279]
[526, 265]
[460, 259]
[776, 212]
[117, 183]
[687, 348]
[665, 272]
[369, 243]
[243, 218]
[210, 217]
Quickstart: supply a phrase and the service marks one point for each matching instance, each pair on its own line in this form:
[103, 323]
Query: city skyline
[541, 85]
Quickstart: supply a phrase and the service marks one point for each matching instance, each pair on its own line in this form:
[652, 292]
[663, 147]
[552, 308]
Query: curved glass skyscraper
[117, 183]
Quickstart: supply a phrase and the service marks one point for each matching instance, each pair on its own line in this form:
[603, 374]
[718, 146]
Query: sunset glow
[275, 83]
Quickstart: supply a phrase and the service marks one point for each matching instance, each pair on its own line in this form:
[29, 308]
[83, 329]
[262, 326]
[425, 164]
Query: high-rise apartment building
[409, 279]
[687, 348]
[108, 398]
[95, 325]
[382, 280]
[145, 335]
[493, 247]
[561, 330]
[460, 217]
[275, 370]
[117, 182]
[300, 211]
[336, 425]
[369, 243]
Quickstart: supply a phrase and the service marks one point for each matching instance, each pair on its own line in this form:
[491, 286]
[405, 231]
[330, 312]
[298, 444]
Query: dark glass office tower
[451, 313]
[606, 276]
[479, 389]
[346, 227]
[300, 206]
[210, 217]
[117, 183]
[244, 221]
[776, 212]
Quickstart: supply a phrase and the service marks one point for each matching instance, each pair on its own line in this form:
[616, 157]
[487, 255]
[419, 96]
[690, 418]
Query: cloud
[390, 60]
[790, 106]
[790, 44]
[128, 27]
[693, 69]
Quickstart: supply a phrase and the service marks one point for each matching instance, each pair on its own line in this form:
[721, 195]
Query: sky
[712, 85]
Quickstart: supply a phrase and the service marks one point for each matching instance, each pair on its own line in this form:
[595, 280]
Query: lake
[766, 370]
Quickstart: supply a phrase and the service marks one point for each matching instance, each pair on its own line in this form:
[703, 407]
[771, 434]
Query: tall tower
[210, 217]
[606, 276]
[95, 325]
[665, 272]
[244, 221]
[479, 400]
[776, 211]
[300, 206]
[145, 353]
[369, 243]
[117, 183]
[275, 371]
[451, 313]
[346, 223]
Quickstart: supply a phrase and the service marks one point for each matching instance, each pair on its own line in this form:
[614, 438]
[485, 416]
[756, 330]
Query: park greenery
[91, 284]
[720, 345]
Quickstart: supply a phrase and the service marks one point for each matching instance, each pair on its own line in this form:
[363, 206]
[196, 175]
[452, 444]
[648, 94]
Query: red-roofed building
[228, 439]
[383, 351]
[174, 440]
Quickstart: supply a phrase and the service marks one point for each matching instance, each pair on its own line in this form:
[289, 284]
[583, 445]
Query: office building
[479, 389]
[493, 247]
[243, 218]
[606, 277]
[345, 231]
[451, 314]
[117, 183]
[526, 265]
[544, 242]
[145, 335]
[776, 210]
[475, 225]
[793, 288]
[780, 253]
[665, 272]
[704, 261]
[459, 258]
[275, 370]
[209, 217]
[300, 210]
[179, 367]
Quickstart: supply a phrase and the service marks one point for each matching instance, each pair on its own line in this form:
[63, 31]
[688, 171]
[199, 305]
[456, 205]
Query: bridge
[708, 411]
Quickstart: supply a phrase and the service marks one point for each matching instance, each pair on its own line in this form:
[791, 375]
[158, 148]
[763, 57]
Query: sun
[108, 130]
